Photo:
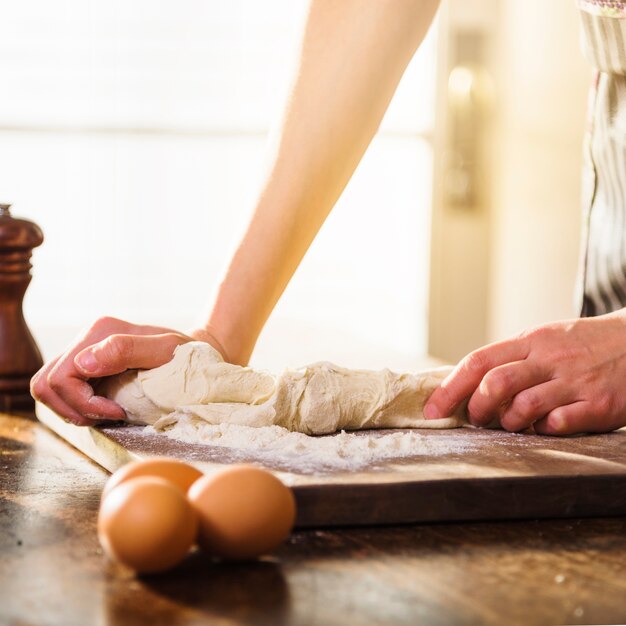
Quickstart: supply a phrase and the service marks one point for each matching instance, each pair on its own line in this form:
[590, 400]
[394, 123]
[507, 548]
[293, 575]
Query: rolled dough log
[318, 399]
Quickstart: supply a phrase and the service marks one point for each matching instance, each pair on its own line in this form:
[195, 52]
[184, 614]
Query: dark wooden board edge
[471, 499]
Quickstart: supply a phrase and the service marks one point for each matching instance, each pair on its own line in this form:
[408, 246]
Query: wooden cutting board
[468, 474]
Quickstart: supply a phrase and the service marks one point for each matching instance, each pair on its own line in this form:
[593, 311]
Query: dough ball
[196, 375]
[126, 389]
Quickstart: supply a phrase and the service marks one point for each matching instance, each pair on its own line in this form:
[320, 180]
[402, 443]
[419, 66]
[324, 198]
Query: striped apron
[602, 279]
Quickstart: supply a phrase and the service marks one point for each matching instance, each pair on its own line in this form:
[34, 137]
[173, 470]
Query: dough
[318, 399]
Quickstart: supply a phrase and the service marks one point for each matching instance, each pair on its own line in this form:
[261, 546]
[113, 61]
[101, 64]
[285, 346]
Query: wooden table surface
[52, 570]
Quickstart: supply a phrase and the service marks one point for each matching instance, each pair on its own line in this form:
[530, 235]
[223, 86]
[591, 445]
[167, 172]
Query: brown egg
[243, 512]
[147, 524]
[177, 472]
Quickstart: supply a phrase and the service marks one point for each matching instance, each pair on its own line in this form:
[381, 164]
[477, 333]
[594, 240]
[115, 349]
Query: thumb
[118, 353]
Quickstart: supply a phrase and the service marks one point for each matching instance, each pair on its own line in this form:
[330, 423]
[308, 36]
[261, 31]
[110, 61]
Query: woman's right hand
[110, 346]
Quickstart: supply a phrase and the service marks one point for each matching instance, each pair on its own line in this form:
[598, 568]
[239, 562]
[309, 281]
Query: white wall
[134, 134]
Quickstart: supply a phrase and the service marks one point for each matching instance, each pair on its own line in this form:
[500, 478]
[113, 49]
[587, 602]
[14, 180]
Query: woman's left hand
[562, 378]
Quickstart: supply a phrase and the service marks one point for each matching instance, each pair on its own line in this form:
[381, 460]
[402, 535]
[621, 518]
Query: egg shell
[243, 512]
[177, 472]
[147, 524]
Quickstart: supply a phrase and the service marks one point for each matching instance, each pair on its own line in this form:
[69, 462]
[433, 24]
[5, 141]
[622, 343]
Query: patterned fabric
[606, 8]
[602, 286]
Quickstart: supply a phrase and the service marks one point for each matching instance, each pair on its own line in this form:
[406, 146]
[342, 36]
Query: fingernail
[431, 412]
[88, 362]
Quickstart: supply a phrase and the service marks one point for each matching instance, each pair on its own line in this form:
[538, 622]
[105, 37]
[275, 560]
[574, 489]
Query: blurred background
[134, 134]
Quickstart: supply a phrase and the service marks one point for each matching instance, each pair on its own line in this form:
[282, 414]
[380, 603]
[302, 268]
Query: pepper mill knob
[19, 355]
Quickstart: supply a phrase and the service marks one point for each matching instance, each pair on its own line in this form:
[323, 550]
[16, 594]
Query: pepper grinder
[19, 355]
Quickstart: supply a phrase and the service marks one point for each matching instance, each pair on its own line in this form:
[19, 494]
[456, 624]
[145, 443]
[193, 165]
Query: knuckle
[496, 383]
[175, 338]
[34, 381]
[118, 347]
[45, 398]
[55, 383]
[533, 332]
[478, 417]
[101, 322]
[106, 321]
[538, 334]
[557, 421]
[474, 410]
[527, 404]
[442, 394]
[603, 403]
[476, 360]
[511, 424]
[37, 387]
[445, 400]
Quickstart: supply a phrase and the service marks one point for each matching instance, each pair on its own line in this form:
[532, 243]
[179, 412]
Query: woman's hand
[110, 346]
[563, 378]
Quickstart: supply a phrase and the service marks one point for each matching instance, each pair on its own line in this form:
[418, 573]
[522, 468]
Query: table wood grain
[52, 570]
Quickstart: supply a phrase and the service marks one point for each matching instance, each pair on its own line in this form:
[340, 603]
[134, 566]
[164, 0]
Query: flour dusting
[349, 451]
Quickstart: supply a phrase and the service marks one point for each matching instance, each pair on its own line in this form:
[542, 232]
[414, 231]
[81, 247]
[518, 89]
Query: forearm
[353, 55]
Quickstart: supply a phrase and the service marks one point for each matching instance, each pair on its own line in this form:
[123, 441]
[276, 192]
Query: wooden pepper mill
[19, 355]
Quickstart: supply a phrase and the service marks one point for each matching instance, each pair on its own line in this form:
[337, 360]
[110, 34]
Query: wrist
[210, 336]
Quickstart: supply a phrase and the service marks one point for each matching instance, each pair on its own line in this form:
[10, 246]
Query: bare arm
[353, 55]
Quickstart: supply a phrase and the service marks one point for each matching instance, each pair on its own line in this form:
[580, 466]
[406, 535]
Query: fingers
[105, 326]
[66, 411]
[578, 417]
[535, 403]
[113, 355]
[72, 390]
[565, 420]
[468, 374]
[118, 353]
[64, 387]
[564, 378]
[499, 386]
[42, 391]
